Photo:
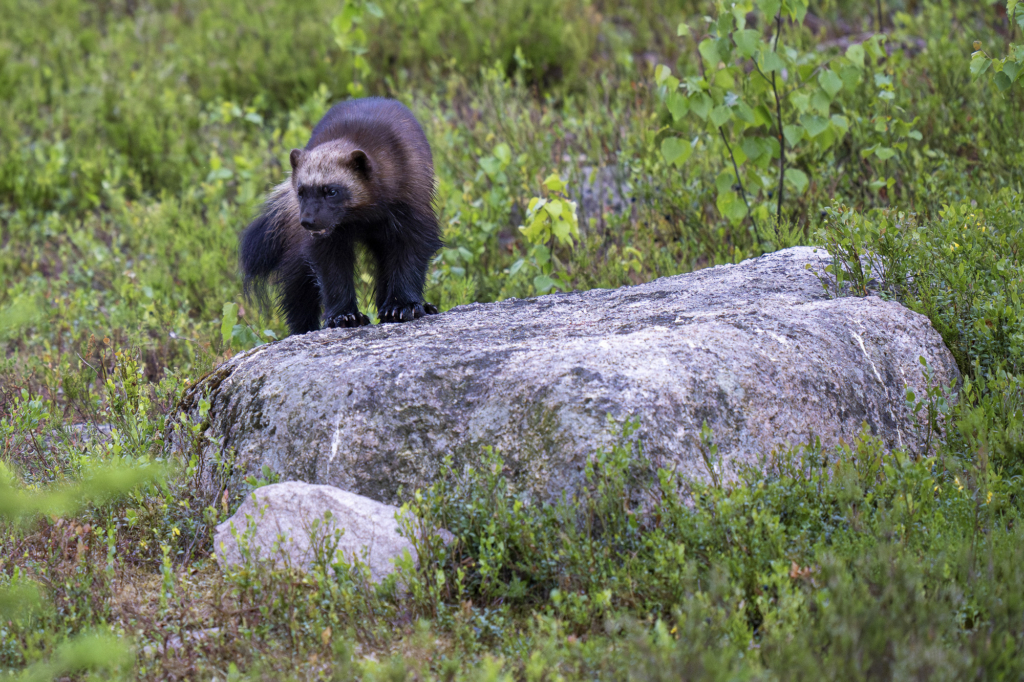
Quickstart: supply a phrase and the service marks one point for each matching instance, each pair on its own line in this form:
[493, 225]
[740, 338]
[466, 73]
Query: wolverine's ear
[296, 158]
[359, 162]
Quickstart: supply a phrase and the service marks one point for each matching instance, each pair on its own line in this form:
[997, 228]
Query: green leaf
[798, 179]
[725, 25]
[874, 46]
[763, 116]
[724, 79]
[793, 133]
[561, 231]
[503, 153]
[731, 206]
[676, 150]
[840, 123]
[771, 62]
[700, 104]
[708, 49]
[744, 113]
[661, 72]
[821, 102]
[1002, 81]
[228, 319]
[682, 29]
[1011, 69]
[815, 125]
[855, 53]
[543, 284]
[747, 42]
[851, 76]
[770, 7]
[553, 183]
[797, 10]
[720, 115]
[554, 208]
[830, 82]
[826, 139]
[755, 147]
[979, 64]
[800, 101]
[678, 105]
[490, 165]
[725, 181]
[885, 153]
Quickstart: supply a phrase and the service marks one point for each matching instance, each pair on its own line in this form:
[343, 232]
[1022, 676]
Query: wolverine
[366, 176]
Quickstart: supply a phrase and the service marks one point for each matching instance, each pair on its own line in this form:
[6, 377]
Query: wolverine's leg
[335, 262]
[300, 297]
[401, 274]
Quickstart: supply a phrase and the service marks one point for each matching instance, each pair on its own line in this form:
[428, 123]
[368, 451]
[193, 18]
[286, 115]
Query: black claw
[406, 313]
[356, 319]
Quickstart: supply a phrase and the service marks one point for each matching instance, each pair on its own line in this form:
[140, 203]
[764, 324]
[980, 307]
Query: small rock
[283, 515]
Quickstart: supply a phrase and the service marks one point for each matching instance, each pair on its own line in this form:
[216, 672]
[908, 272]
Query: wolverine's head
[331, 182]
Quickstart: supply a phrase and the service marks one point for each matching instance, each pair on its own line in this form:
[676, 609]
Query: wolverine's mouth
[319, 234]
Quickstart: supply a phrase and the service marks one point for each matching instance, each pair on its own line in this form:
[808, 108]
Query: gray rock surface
[276, 524]
[756, 349]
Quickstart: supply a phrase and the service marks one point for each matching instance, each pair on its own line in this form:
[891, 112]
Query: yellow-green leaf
[553, 183]
[746, 41]
[798, 179]
[708, 49]
[554, 208]
[770, 7]
[793, 133]
[700, 104]
[678, 105]
[855, 53]
[676, 150]
[815, 125]
[830, 82]
[720, 115]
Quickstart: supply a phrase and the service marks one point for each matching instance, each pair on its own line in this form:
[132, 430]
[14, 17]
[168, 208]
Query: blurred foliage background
[137, 139]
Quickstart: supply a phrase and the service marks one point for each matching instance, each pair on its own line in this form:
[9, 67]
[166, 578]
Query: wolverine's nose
[307, 223]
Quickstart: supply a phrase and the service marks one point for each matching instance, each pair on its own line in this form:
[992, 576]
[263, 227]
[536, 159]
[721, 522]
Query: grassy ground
[136, 140]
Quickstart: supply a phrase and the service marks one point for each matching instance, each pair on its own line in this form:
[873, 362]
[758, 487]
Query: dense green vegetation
[136, 140]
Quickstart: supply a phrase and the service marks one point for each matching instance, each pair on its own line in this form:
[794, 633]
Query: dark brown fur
[365, 176]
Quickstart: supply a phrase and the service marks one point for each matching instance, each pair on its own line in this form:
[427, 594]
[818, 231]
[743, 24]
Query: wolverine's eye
[330, 191]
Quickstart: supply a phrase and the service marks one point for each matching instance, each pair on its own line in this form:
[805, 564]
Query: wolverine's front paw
[405, 312]
[356, 319]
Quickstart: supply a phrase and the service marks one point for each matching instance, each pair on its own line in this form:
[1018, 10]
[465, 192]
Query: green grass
[136, 141]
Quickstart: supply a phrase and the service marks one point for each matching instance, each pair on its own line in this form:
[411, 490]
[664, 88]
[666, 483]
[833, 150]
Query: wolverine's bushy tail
[262, 246]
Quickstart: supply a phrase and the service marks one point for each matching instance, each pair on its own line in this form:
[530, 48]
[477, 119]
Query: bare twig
[782, 138]
[736, 170]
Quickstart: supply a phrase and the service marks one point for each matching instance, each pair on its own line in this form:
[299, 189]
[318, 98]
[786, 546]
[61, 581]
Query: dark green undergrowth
[137, 139]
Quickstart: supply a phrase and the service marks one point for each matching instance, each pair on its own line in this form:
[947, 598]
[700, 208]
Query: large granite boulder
[756, 349]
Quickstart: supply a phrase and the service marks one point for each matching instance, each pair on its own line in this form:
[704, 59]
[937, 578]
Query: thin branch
[743, 191]
[732, 157]
[782, 137]
[880, 26]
